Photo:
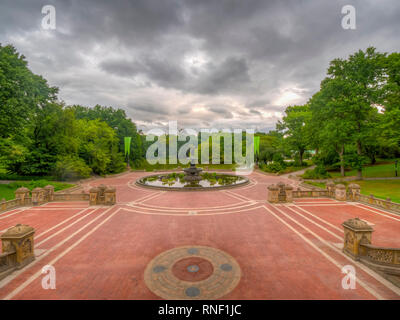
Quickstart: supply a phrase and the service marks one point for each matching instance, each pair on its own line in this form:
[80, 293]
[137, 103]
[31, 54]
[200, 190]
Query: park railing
[352, 193]
[101, 195]
[358, 245]
[379, 203]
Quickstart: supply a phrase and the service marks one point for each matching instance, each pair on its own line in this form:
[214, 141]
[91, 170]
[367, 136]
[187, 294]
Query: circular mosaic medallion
[192, 272]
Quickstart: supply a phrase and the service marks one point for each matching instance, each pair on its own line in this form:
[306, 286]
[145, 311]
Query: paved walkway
[228, 244]
[297, 173]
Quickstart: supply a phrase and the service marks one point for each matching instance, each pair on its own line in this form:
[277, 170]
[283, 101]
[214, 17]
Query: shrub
[318, 172]
[273, 167]
[38, 184]
[69, 168]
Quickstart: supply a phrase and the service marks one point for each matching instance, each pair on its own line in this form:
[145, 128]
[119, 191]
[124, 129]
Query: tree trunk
[373, 159]
[301, 157]
[359, 152]
[341, 152]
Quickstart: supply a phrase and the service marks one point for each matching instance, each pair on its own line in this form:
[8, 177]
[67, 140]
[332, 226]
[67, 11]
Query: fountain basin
[178, 181]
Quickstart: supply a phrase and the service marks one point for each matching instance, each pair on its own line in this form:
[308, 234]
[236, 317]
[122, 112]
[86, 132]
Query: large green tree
[293, 126]
[22, 93]
[390, 128]
[359, 83]
[118, 120]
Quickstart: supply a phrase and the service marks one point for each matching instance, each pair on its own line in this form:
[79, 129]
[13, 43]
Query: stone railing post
[354, 190]
[38, 196]
[93, 196]
[314, 192]
[20, 240]
[340, 192]
[356, 232]
[100, 196]
[49, 192]
[273, 192]
[21, 194]
[282, 193]
[289, 193]
[371, 199]
[331, 188]
[110, 196]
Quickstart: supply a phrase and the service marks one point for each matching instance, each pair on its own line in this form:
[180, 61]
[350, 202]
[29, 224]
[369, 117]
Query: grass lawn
[379, 188]
[7, 190]
[316, 184]
[372, 171]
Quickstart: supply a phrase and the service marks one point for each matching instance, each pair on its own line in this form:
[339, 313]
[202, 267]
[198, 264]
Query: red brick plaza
[245, 247]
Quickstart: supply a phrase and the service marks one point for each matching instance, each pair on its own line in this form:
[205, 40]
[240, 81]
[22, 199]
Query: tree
[99, 146]
[390, 125]
[21, 94]
[359, 84]
[116, 119]
[328, 119]
[293, 126]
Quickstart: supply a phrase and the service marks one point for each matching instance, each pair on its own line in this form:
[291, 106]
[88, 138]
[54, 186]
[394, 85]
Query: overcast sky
[204, 63]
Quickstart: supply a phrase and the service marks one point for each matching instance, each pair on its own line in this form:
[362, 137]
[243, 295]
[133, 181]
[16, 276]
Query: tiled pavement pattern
[289, 251]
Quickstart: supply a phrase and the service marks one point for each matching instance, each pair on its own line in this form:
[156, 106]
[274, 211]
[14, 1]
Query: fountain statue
[192, 174]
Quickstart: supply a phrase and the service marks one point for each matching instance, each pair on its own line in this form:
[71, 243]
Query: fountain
[192, 178]
[192, 174]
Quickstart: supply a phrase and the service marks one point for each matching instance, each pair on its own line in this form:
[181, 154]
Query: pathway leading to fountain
[228, 244]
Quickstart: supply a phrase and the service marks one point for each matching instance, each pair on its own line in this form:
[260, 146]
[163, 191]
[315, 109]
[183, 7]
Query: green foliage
[70, 168]
[319, 172]
[116, 119]
[294, 128]
[274, 167]
[41, 136]
[21, 92]
[7, 191]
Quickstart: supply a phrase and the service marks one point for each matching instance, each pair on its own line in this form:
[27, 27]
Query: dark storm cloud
[225, 62]
[221, 111]
[214, 78]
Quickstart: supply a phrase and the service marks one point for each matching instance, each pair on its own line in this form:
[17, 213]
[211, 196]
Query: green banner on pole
[256, 145]
[127, 145]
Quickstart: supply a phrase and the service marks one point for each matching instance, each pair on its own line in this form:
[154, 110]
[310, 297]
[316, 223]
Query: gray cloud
[225, 63]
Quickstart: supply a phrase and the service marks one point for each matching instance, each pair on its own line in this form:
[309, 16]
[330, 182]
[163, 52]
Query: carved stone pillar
[20, 240]
[37, 196]
[282, 192]
[331, 188]
[110, 196]
[340, 192]
[100, 197]
[289, 193]
[21, 194]
[273, 192]
[93, 196]
[354, 190]
[314, 192]
[356, 231]
[49, 192]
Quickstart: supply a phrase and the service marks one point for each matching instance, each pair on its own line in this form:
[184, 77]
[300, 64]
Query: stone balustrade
[18, 249]
[358, 245]
[39, 196]
[102, 195]
[280, 193]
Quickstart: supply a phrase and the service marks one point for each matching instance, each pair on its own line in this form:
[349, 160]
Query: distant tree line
[40, 135]
[354, 117]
